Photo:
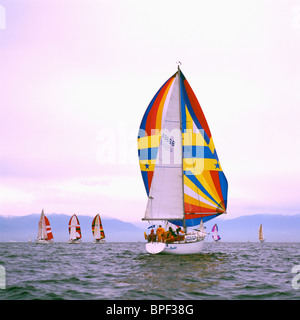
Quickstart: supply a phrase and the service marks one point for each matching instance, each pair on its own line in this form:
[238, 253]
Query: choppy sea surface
[125, 271]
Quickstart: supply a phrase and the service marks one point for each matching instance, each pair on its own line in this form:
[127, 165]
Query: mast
[180, 117]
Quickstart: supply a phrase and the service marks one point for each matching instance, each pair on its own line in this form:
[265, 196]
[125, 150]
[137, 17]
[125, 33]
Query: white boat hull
[42, 241]
[176, 247]
[76, 241]
[99, 241]
[155, 247]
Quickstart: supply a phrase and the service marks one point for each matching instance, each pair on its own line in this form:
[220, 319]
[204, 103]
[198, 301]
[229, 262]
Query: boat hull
[76, 241]
[176, 247]
[42, 241]
[155, 247]
[99, 241]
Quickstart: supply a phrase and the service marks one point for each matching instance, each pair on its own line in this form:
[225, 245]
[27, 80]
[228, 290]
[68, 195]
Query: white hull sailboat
[176, 248]
[76, 241]
[45, 235]
[42, 241]
[99, 241]
[192, 244]
[180, 168]
[261, 234]
[97, 230]
[74, 230]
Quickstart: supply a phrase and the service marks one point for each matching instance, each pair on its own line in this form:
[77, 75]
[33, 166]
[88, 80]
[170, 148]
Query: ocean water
[125, 271]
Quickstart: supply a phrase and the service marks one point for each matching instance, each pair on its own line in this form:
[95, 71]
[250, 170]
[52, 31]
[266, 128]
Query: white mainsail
[166, 195]
[73, 232]
[261, 234]
[202, 231]
[40, 229]
[97, 234]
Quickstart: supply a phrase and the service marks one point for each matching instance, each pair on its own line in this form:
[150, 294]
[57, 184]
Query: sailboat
[182, 174]
[74, 230]
[97, 230]
[261, 234]
[44, 232]
[215, 235]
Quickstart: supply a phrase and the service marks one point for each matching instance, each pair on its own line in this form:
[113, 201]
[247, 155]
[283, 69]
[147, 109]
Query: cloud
[13, 195]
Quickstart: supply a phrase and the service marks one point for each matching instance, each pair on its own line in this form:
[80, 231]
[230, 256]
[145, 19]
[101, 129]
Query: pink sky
[76, 77]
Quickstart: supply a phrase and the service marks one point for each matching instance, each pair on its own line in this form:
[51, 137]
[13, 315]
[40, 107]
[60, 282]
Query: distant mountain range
[279, 228]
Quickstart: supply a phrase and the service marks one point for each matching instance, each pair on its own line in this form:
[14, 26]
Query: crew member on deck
[179, 234]
[160, 233]
[152, 236]
[170, 235]
[178, 230]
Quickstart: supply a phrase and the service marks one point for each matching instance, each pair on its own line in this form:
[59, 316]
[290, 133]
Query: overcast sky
[76, 77]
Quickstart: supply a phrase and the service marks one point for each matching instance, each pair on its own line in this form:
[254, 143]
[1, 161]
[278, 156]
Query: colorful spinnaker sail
[97, 228]
[215, 235]
[44, 230]
[180, 167]
[74, 228]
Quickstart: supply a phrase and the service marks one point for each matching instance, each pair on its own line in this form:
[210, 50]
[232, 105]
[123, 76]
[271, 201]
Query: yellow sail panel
[207, 182]
[147, 165]
[149, 141]
[195, 202]
[199, 165]
[200, 195]
[191, 138]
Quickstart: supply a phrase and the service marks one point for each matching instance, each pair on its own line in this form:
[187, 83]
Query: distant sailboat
[97, 230]
[261, 234]
[215, 235]
[182, 174]
[44, 232]
[74, 230]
